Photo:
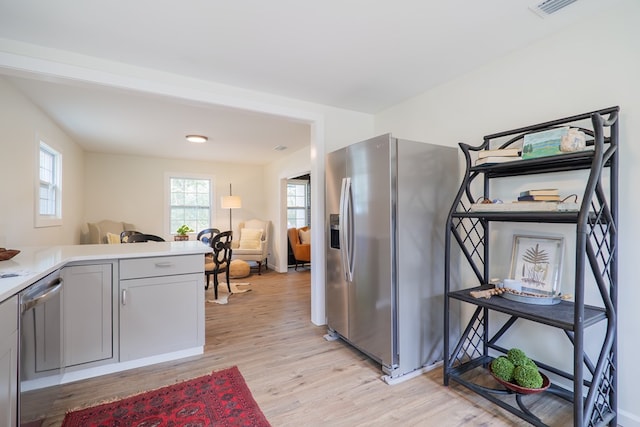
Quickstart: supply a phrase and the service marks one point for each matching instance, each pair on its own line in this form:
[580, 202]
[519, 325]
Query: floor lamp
[230, 202]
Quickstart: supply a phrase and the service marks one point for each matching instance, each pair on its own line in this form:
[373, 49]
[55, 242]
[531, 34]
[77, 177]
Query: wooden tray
[6, 254]
[527, 299]
[523, 390]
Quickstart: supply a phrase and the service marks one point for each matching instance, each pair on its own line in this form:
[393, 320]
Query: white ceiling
[110, 120]
[361, 55]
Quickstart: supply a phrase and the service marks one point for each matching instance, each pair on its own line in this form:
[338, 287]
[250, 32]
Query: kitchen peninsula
[122, 306]
[37, 262]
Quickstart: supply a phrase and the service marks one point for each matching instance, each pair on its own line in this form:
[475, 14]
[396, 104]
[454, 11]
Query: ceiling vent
[548, 7]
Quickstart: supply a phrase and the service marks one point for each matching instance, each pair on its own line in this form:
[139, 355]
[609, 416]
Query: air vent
[548, 7]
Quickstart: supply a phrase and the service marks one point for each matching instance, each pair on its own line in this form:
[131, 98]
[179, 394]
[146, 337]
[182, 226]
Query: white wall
[297, 163]
[20, 122]
[588, 66]
[344, 129]
[132, 189]
[330, 127]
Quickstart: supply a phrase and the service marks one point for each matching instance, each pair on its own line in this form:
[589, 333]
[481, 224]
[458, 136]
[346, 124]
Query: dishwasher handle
[52, 289]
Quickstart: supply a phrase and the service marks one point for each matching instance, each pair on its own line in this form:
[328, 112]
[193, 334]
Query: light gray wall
[588, 66]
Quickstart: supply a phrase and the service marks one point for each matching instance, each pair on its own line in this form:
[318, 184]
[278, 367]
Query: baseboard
[404, 377]
[627, 419]
[131, 364]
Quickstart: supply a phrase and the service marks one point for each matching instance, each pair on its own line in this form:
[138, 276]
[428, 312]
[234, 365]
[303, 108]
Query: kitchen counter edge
[34, 263]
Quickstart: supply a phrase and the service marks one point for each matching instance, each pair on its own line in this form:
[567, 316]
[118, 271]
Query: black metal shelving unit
[593, 397]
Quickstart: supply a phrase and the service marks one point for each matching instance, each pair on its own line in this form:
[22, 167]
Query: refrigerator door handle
[343, 227]
[346, 232]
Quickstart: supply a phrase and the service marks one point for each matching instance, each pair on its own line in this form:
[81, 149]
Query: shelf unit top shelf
[580, 160]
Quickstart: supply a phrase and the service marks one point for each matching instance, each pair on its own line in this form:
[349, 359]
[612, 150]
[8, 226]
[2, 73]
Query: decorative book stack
[500, 155]
[540, 195]
[530, 201]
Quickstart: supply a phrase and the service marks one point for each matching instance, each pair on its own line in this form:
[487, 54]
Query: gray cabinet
[88, 313]
[161, 305]
[9, 361]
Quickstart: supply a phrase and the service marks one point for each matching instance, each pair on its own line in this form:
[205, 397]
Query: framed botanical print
[537, 263]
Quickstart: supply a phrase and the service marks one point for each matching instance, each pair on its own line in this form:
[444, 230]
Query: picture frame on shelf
[536, 261]
[543, 144]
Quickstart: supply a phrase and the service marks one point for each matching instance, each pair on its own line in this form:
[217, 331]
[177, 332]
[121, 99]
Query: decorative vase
[179, 237]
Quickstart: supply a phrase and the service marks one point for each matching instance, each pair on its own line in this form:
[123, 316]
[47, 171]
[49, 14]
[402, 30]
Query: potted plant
[182, 232]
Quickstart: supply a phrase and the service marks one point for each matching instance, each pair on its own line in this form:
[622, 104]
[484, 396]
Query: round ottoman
[238, 269]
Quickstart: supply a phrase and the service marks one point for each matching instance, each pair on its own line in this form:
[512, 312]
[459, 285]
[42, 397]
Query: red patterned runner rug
[220, 399]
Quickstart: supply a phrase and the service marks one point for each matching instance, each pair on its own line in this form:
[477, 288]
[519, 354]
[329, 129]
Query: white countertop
[33, 263]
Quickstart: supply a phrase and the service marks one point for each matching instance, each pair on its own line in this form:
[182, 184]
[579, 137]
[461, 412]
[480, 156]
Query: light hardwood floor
[297, 377]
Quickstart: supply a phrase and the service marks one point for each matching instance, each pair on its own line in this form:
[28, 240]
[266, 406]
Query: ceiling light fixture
[198, 139]
[279, 148]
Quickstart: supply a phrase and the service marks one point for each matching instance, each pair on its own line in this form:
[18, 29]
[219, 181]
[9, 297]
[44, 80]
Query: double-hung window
[190, 200]
[49, 187]
[298, 203]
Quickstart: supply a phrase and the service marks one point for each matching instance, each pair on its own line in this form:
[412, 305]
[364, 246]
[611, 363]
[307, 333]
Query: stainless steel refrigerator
[386, 205]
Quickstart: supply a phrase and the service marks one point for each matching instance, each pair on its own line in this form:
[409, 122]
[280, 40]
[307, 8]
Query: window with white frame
[190, 202]
[49, 187]
[298, 203]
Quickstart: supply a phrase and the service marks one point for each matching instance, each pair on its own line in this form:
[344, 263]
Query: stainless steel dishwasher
[40, 355]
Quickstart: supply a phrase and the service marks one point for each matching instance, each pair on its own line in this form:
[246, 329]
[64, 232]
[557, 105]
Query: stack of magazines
[500, 155]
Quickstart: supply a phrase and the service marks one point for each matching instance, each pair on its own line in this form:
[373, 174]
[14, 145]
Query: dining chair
[124, 236]
[140, 237]
[206, 235]
[220, 260]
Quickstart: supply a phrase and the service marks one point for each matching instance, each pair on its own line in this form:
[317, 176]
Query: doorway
[298, 208]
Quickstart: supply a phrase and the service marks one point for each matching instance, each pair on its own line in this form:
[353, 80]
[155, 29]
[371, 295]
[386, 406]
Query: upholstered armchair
[300, 241]
[105, 231]
[252, 243]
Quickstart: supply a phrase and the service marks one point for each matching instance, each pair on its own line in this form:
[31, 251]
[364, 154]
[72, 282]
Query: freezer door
[371, 170]
[336, 296]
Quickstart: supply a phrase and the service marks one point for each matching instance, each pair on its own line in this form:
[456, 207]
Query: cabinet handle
[124, 297]
[164, 264]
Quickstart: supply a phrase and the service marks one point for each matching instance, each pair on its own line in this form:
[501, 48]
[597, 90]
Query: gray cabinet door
[161, 315]
[9, 362]
[88, 313]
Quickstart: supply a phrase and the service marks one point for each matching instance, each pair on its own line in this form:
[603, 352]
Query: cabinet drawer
[9, 316]
[161, 266]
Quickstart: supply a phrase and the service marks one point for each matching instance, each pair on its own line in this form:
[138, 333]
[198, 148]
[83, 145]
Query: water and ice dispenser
[334, 230]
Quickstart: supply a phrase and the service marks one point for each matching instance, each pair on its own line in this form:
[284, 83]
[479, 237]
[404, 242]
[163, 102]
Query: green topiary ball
[518, 358]
[532, 363]
[527, 376]
[503, 368]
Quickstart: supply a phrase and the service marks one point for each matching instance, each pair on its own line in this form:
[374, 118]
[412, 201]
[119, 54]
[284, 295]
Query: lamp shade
[230, 202]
